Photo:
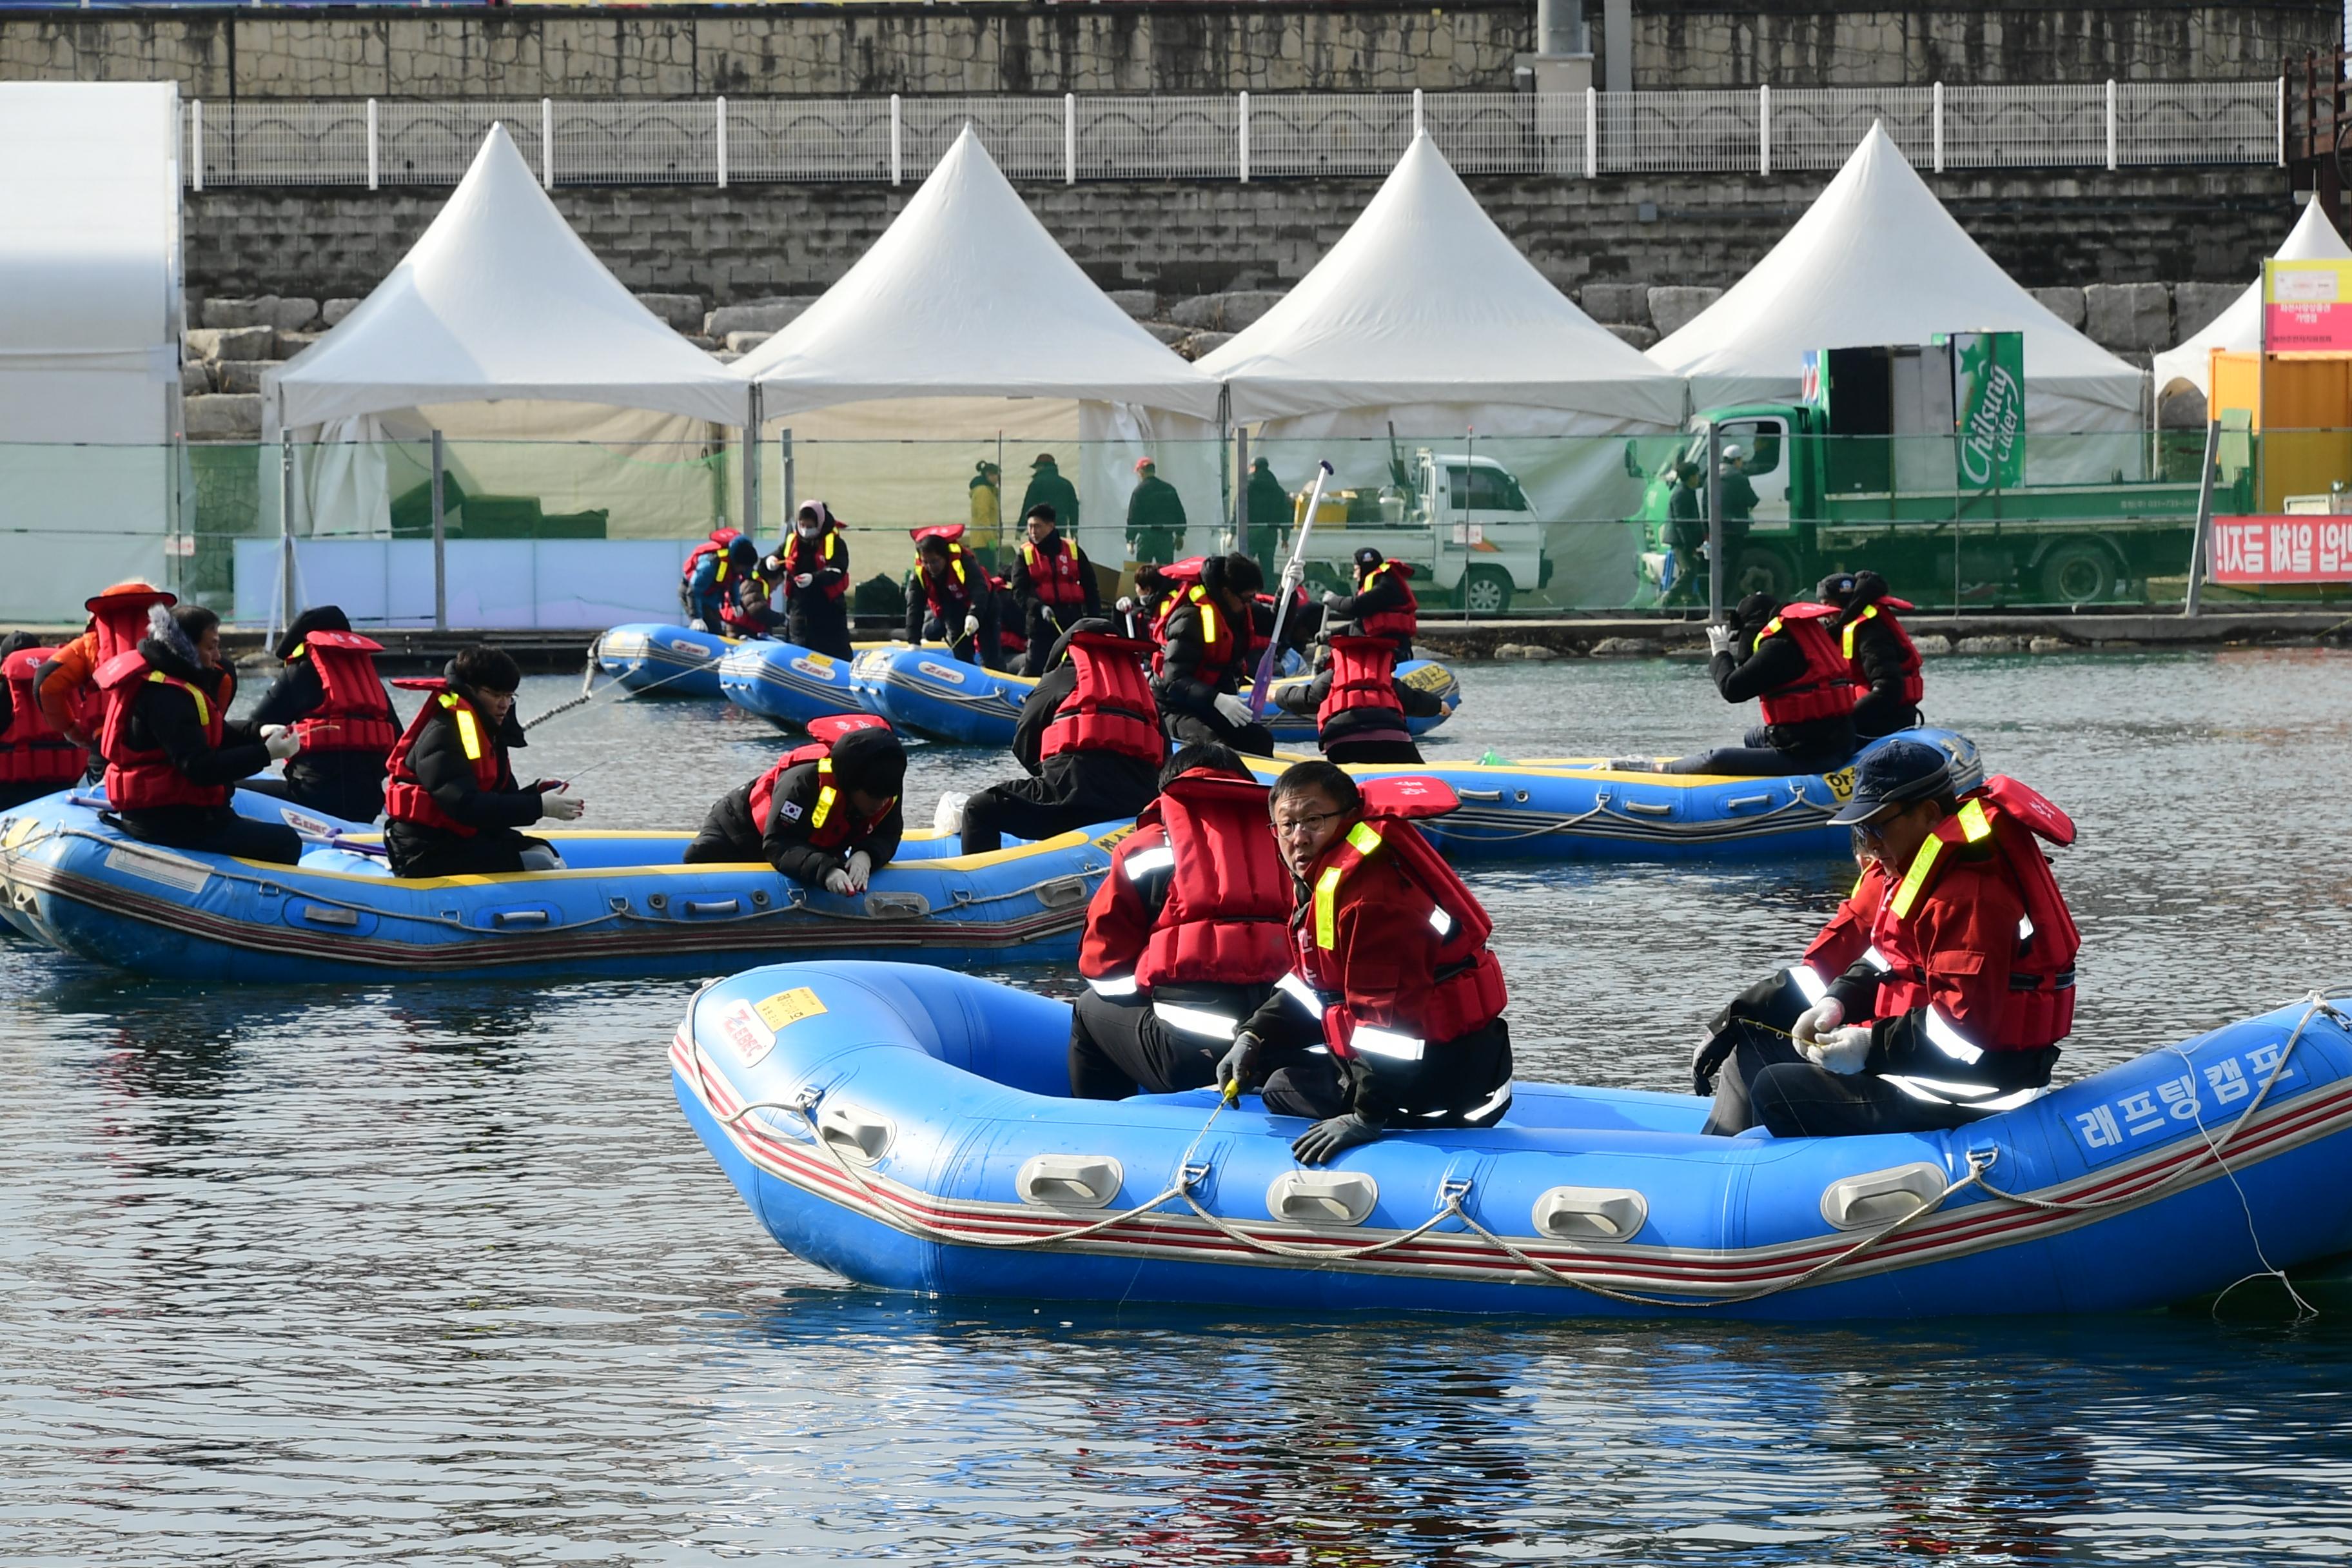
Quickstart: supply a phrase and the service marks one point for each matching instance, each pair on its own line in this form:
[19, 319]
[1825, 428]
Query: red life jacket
[832, 822]
[961, 585]
[353, 716]
[406, 800]
[821, 555]
[733, 614]
[1469, 993]
[1882, 611]
[32, 750]
[1226, 921]
[1175, 579]
[117, 619]
[1112, 708]
[1219, 646]
[1055, 572]
[140, 780]
[1402, 622]
[1827, 689]
[1363, 675]
[2039, 1009]
[721, 538]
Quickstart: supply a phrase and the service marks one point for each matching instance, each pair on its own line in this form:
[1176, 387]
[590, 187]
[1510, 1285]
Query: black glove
[1332, 1136]
[1238, 1070]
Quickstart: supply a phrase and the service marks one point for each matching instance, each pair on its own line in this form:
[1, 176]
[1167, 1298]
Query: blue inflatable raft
[786, 682]
[1582, 809]
[906, 1128]
[622, 904]
[926, 691]
[676, 661]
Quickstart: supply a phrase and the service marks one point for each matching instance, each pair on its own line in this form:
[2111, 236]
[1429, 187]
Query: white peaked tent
[966, 297]
[1876, 260]
[2240, 327]
[1423, 301]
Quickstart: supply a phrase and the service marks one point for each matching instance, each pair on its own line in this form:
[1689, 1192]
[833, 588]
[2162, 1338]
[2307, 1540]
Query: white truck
[1461, 522]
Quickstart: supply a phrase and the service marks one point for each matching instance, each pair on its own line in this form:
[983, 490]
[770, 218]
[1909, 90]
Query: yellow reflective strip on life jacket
[1914, 879]
[469, 735]
[825, 794]
[299, 649]
[1769, 628]
[1868, 611]
[203, 709]
[1208, 616]
[1327, 887]
[1363, 838]
[1975, 827]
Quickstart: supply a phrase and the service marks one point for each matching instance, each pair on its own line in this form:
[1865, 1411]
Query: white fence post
[2111, 125]
[2281, 126]
[547, 144]
[1416, 111]
[1939, 128]
[898, 149]
[1591, 132]
[374, 164]
[1243, 124]
[1069, 139]
[197, 125]
[722, 125]
[1764, 129]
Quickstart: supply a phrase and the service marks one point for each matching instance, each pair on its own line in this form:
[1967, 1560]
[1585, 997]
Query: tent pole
[1714, 523]
[285, 517]
[752, 469]
[440, 540]
[2200, 540]
[792, 487]
[1241, 492]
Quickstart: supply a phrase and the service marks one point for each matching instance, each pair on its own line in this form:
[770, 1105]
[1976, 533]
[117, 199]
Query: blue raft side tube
[1582, 809]
[665, 660]
[937, 1099]
[926, 690]
[621, 905]
[786, 682]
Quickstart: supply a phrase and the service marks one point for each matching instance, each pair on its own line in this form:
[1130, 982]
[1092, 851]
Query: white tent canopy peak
[2239, 328]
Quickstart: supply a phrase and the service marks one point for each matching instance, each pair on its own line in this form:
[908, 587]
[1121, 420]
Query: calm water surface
[438, 1274]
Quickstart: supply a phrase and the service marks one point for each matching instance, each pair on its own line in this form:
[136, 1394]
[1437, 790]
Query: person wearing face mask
[1054, 582]
[453, 808]
[814, 567]
[1391, 1017]
[1203, 664]
[1939, 992]
[826, 815]
[1785, 659]
[172, 754]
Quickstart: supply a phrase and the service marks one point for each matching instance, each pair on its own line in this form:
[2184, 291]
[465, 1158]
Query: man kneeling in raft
[1954, 957]
[1391, 979]
[826, 815]
[1184, 938]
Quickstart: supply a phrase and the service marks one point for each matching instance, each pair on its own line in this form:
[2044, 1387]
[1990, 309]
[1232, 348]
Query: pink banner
[2316, 328]
[2280, 550]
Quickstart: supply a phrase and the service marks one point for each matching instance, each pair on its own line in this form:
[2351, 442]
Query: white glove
[861, 870]
[948, 816]
[1234, 710]
[696, 625]
[280, 741]
[803, 580]
[1818, 1020]
[837, 882]
[1719, 640]
[1842, 1050]
[972, 626]
[562, 807]
[1330, 598]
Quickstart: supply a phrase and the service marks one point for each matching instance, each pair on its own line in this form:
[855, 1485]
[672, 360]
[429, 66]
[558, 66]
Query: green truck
[1910, 461]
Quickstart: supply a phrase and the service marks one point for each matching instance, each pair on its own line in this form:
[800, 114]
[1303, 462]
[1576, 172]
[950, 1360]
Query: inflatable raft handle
[857, 1134]
[1882, 1197]
[1069, 1181]
[1649, 807]
[1323, 1197]
[1592, 1214]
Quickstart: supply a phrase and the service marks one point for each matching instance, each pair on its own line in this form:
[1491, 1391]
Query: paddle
[1293, 575]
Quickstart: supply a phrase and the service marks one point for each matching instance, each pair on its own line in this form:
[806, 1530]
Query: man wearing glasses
[1391, 1017]
[1958, 957]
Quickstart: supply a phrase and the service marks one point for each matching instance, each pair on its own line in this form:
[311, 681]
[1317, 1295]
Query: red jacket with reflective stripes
[1846, 938]
[406, 799]
[1827, 689]
[139, 780]
[1229, 895]
[1053, 573]
[1111, 707]
[832, 822]
[1400, 622]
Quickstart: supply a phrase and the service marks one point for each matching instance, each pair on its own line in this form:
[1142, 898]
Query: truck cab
[1461, 522]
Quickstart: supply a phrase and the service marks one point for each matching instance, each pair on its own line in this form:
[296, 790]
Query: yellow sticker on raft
[1840, 783]
[789, 1007]
[1428, 678]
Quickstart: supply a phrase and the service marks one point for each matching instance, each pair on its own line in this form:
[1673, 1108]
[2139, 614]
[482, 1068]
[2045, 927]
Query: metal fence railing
[1245, 136]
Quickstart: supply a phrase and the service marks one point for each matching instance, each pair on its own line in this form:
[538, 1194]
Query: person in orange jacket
[66, 683]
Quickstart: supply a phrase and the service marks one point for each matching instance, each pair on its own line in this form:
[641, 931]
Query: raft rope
[588, 678]
[1453, 1192]
[1565, 824]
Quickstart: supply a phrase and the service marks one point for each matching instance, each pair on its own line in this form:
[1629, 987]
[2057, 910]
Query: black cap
[1894, 774]
[1367, 558]
[1835, 589]
[870, 760]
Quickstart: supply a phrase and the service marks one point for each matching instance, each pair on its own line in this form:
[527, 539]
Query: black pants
[1119, 1049]
[1082, 792]
[351, 790]
[1766, 1082]
[1759, 758]
[1250, 739]
[727, 835]
[1455, 1085]
[216, 830]
[981, 649]
[15, 794]
[1156, 545]
[429, 852]
[825, 631]
[1345, 751]
[1874, 717]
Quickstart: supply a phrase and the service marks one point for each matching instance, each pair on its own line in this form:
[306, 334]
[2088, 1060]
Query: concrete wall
[1809, 43]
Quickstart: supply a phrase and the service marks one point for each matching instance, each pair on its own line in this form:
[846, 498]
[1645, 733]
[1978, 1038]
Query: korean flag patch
[790, 811]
